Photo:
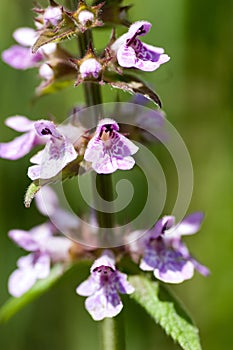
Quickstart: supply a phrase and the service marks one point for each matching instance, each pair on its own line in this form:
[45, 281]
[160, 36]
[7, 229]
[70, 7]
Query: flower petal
[18, 147]
[20, 281]
[25, 36]
[103, 305]
[20, 57]
[23, 239]
[20, 123]
[190, 224]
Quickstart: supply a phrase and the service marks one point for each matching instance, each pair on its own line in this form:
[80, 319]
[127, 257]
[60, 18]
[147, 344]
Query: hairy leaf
[13, 305]
[166, 311]
[131, 84]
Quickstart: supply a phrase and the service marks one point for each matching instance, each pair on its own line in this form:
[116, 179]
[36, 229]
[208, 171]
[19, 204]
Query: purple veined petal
[18, 147]
[126, 163]
[42, 265]
[23, 239]
[122, 147]
[105, 165]
[46, 127]
[47, 201]
[25, 36]
[133, 29]
[20, 123]
[103, 305]
[94, 150]
[20, 281]
[183, 271]
[52, 15]
[126, 56]
[87, 287]
[57, 154]
[190, 224]
[123, 286]
[20, 57]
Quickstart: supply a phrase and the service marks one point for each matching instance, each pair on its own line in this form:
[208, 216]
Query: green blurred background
[196, 87]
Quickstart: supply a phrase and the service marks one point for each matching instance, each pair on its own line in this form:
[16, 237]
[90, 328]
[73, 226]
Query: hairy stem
[92, 93]
[112, 333]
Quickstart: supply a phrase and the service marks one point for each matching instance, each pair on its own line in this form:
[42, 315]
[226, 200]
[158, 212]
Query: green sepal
[72, 169]
[66, 29]
[166, 310]
[13, 305]
[131, 84]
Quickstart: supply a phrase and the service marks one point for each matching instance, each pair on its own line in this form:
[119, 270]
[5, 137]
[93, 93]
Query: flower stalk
[92, 94]
[112, 333]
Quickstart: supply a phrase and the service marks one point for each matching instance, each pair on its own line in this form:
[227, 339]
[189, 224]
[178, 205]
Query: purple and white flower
[45, 250]
[23, 144]
[131, 52]
[103, 287]
[21, 56]
[108, 150]
[58, 152]
[166, 255]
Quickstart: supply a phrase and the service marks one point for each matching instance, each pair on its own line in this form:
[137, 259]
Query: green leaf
[131, 84]
[13, 305]
[166, 311]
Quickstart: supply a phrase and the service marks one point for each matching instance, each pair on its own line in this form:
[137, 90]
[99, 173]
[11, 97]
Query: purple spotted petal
[23, 239]
[141, 56]
[131, 52]
[168, 265]
[108, 150]
[102, 305]
[18, 147]
[20, 57]
[46, 127]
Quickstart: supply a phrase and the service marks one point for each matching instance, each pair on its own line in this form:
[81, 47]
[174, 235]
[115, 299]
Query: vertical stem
[112, 333]
[93, 96]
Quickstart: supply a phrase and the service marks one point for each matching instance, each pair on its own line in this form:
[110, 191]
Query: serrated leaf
[66, 29]
[13, 305]
[166, 311]
[131, 84]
